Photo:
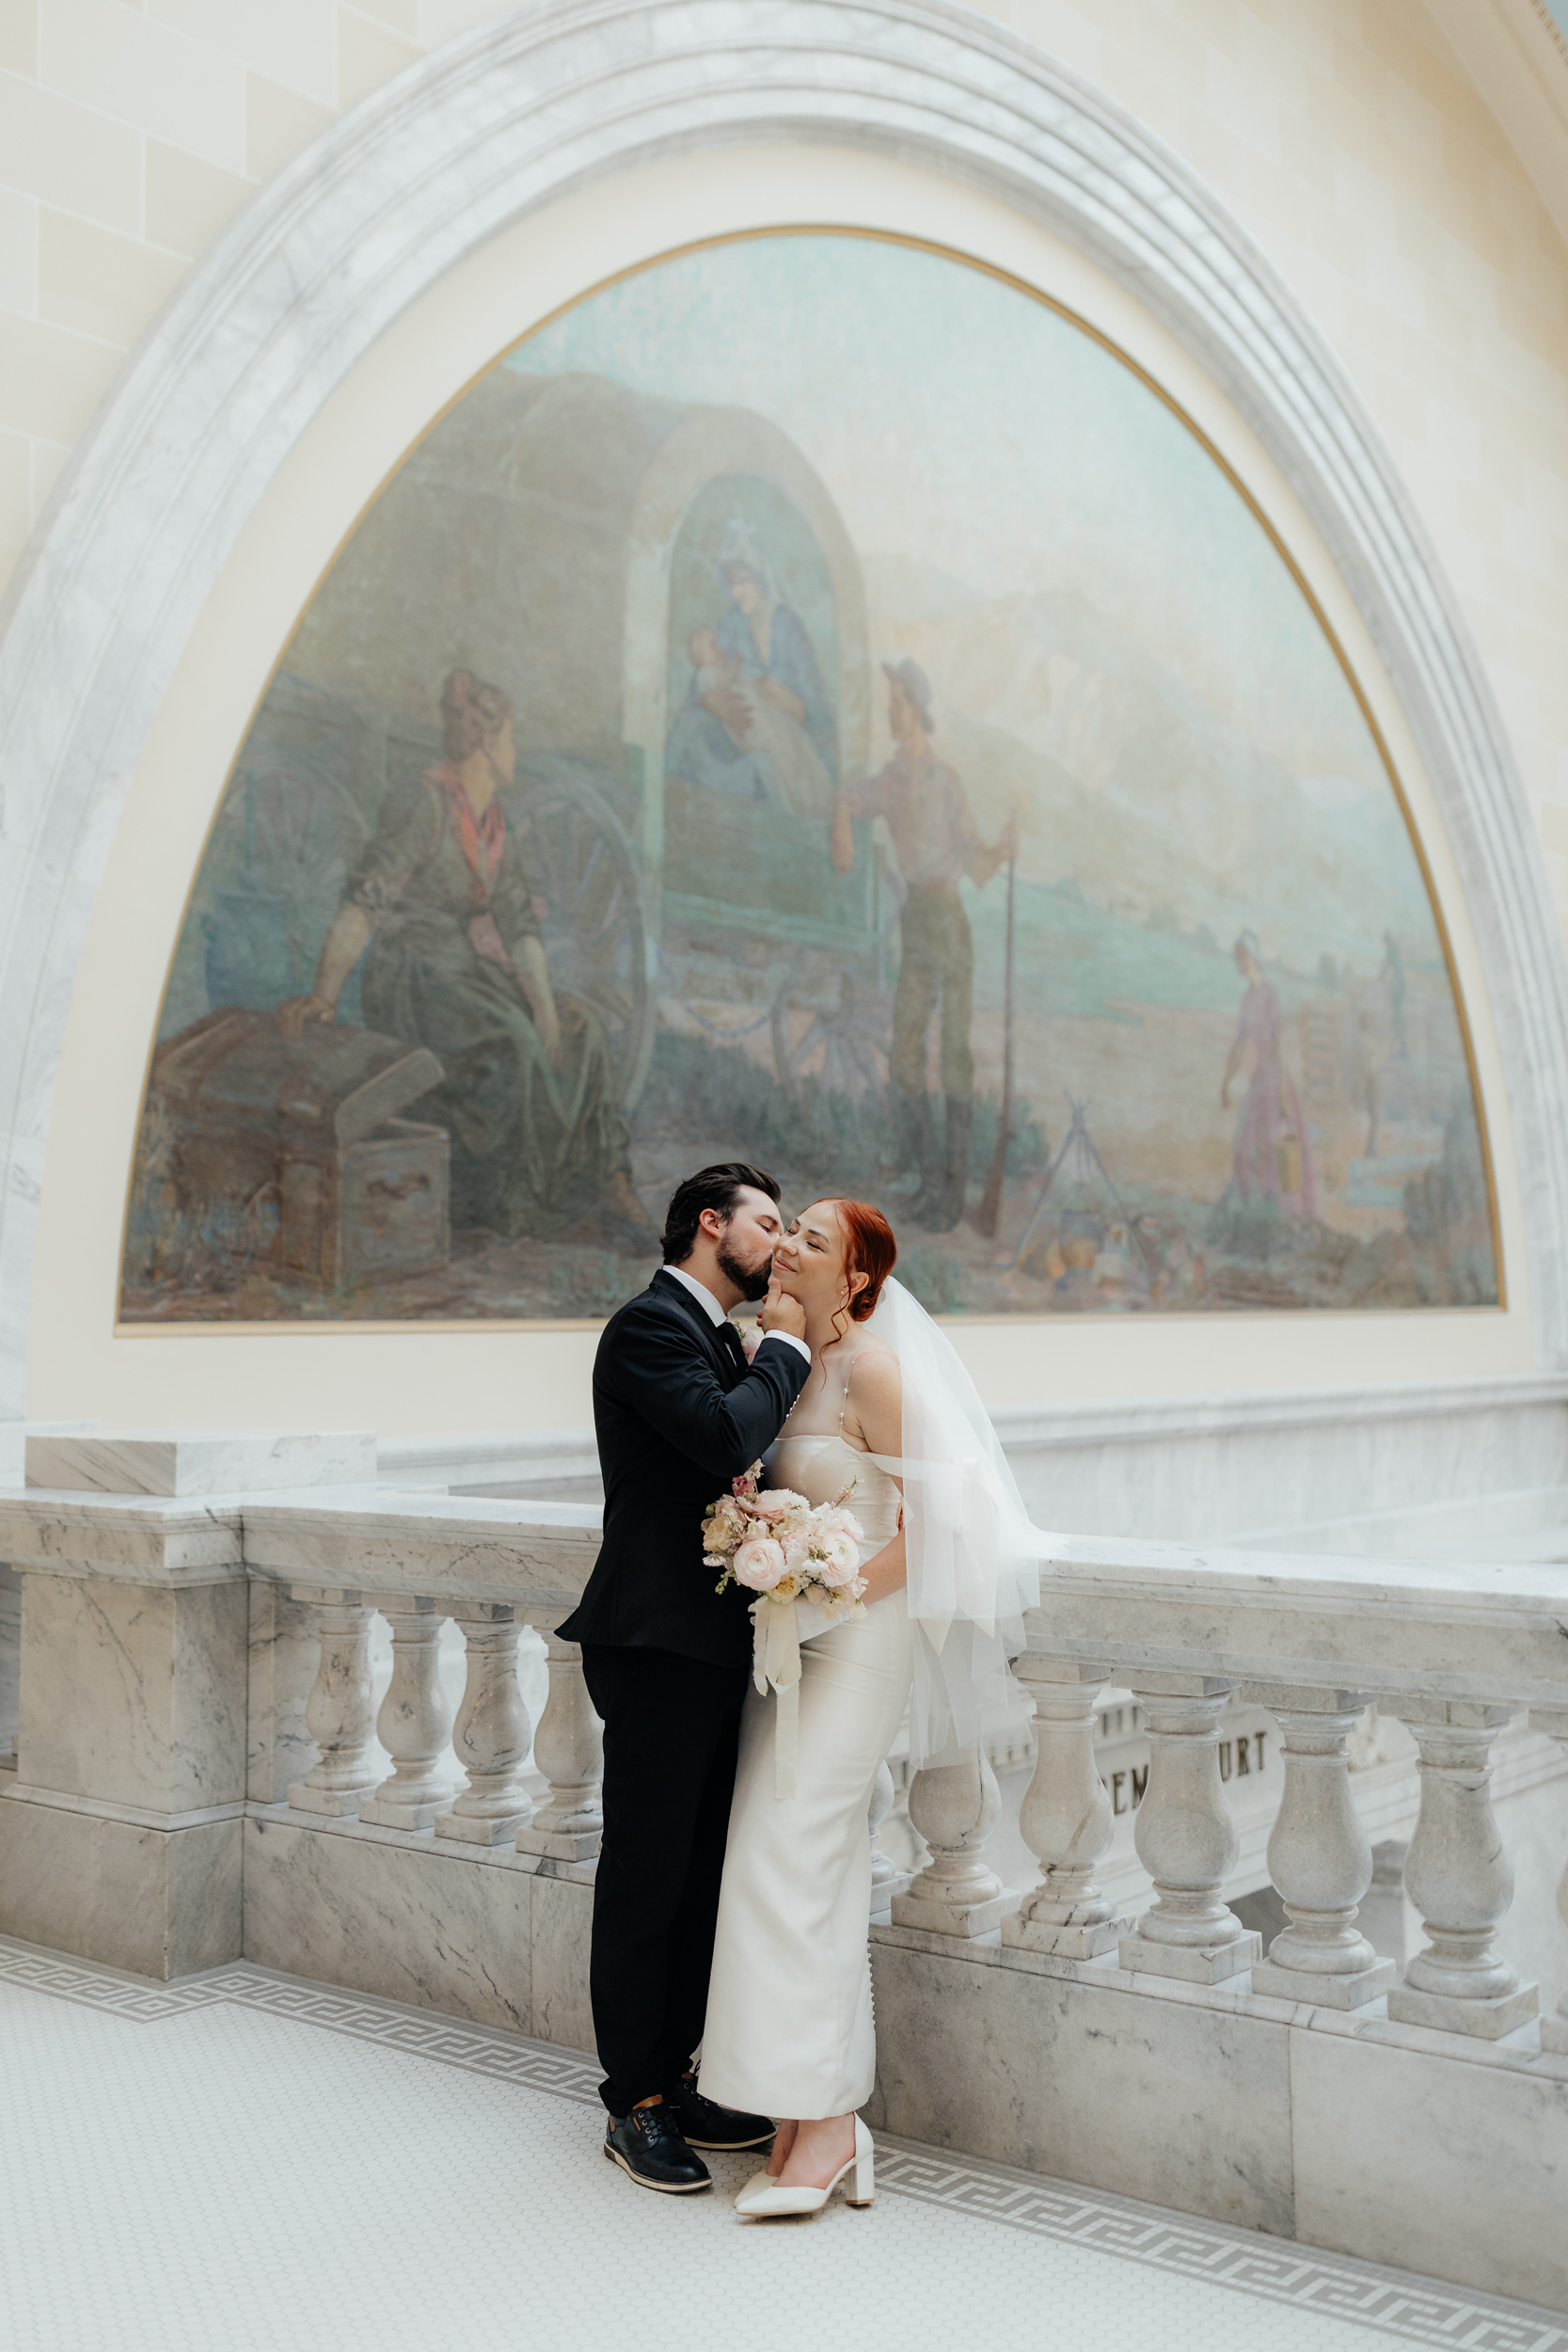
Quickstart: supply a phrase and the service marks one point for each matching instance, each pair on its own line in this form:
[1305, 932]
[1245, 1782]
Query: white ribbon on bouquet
[777, 1630]
[776, 1662]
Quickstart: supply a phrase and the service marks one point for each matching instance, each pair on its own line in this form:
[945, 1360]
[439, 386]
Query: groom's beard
[750, 1281]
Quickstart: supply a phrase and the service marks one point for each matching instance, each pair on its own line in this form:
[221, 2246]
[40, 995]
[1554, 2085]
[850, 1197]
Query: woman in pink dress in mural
[1272, 1158]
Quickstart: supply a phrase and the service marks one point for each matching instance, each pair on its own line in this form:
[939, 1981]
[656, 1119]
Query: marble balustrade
[206, 1766]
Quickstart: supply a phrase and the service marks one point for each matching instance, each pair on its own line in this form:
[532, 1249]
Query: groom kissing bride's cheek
[746, 1718]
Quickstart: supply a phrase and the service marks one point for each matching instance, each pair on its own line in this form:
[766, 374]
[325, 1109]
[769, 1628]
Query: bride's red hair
[869, 1249]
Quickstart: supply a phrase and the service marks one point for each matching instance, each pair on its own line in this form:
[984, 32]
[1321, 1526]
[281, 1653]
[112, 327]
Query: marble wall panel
[562, 1920]
[133, 1693]
[1178, 2104]
[390, 1917]
[161, 1902]
[1435, 2164]
[10, 1654]
[1344, 1469]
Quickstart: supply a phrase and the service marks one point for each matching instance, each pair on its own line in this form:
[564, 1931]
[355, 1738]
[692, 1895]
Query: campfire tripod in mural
[687, 560]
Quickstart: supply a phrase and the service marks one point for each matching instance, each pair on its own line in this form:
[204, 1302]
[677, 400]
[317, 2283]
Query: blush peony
[840, 1558]
[759, 1564]
[779, 1503]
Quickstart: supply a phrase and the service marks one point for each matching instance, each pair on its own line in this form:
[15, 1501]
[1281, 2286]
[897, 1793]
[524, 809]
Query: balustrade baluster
[1186, 1839]
[1064, 1819]
[568, 1748]
[955, 1805]
[1458, 1876]
[337, 1712]
[1320, 1859]
[492, 1732]
[887, 1879]
[415, 1723]
[1554, 2029]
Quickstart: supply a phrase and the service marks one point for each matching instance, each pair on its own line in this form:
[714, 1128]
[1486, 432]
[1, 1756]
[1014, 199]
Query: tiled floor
[245, 2162]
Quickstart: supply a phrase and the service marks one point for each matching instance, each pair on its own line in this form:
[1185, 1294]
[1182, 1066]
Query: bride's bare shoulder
[874, 1368]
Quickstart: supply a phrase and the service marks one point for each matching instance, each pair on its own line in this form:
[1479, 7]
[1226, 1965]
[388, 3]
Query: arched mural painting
[811, 701]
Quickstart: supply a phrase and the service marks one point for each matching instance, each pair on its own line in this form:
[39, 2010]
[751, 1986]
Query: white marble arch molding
[498, 123]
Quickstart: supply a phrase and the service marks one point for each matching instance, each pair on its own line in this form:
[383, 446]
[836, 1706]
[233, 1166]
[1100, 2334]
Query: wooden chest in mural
[298, 1151]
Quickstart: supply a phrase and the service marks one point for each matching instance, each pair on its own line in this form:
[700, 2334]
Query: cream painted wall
[419, 1380]
[131, 130]
[1347, 137]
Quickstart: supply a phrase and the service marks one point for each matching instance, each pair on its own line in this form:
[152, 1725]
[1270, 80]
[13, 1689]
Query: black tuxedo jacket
[678, 1413]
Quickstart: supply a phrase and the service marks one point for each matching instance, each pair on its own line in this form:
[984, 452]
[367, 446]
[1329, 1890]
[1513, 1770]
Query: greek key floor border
[1275, 2270]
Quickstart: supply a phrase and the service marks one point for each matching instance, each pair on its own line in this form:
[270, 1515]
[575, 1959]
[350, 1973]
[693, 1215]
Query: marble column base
[1270, 2119]
[964, 1919]
[339, 1805]
[1554, 2035]
[1305, 1984]
[1067, 1942]
[476, 1933]
[479, 1828]
[382, 1815]
[560, 1845]
[1201, 1964]
[886, 1891]
[1444, 2011]
[159, 1902]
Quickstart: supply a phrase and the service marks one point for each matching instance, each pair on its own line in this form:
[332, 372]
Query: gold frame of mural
[365, 1327]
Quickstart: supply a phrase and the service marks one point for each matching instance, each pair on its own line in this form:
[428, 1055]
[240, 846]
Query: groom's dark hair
[717, 1188]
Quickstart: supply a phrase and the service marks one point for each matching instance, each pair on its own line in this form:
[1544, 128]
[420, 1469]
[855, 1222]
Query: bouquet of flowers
[784, 1549]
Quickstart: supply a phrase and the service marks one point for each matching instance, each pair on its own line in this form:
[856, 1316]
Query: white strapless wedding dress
[789, 2023]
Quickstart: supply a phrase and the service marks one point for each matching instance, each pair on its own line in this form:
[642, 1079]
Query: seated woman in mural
[441, 907]
[1271, 1157]
[763, 694]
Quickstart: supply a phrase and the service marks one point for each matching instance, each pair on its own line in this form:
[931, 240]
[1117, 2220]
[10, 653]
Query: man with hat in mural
[936, 842]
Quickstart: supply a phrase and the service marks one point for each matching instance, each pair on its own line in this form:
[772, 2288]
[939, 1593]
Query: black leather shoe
[705, 2125]
[649, 2149]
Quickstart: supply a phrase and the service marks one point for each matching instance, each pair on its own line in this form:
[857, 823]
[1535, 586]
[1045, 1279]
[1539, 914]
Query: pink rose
[759, 1562]
[750, 1340]
[841, 1522]
[777, 1504]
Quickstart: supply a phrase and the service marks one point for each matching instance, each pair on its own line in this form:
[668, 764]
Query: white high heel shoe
[761, 2199]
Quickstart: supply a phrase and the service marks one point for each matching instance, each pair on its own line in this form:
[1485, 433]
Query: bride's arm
[875, 1401]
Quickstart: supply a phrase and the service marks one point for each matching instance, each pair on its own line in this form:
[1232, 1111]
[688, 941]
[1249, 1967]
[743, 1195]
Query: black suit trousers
[670, 1729]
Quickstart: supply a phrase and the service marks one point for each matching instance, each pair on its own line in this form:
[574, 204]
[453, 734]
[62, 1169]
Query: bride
[948, 1559]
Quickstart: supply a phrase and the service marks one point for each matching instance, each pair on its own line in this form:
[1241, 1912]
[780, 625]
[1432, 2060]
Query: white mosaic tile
[244, 2162]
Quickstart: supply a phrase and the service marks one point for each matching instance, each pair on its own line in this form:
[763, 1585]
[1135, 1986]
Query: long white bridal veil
[973, 1557]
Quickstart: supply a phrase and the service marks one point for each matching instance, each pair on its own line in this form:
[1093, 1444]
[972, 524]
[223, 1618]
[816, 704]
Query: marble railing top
[142, 1538]
[1496, 1632]
[471, 1547]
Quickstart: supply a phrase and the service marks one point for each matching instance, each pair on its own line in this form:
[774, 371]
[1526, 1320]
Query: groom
[678, 1413]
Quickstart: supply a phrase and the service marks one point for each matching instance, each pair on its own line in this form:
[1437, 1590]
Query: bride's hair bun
[870, 1250]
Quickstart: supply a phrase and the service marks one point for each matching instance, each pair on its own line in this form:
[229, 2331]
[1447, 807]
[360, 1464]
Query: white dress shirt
[715, 1313]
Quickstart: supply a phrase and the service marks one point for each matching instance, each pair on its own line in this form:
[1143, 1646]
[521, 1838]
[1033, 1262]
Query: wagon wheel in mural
[590, 908]
[843, 1046]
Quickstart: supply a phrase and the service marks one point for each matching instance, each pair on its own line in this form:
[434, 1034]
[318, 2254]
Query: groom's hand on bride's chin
[779, 1312]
